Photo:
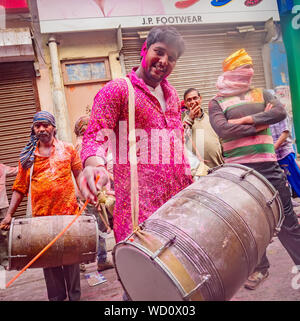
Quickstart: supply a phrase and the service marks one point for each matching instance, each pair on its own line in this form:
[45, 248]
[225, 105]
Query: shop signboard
[79, 15]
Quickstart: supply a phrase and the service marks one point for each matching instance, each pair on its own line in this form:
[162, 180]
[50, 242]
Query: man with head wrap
[45, 167]
[241, 116]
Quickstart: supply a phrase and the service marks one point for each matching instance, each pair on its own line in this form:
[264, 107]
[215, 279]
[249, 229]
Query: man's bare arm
[16, 199]
[282, 138]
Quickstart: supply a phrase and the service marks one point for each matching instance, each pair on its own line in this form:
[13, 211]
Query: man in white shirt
[205, 141]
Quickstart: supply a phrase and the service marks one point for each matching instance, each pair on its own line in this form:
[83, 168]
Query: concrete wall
[72, 46]
[90, 45]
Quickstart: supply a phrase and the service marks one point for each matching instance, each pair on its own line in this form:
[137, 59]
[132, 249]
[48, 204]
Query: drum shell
[28, 236]
[222, 224]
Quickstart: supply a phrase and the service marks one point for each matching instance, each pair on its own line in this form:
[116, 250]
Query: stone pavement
[281, 285]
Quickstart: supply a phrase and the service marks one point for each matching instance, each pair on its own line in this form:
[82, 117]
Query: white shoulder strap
[29, 206]
[134, 187]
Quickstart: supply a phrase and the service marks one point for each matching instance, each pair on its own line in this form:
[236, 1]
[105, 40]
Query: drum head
[143, 278]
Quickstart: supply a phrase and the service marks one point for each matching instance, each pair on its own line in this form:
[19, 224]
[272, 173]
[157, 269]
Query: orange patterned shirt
[52, 187]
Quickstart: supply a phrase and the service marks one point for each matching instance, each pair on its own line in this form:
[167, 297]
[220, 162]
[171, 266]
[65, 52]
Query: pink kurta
[162, 172]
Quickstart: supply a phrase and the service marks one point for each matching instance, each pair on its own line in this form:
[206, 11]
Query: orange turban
[237, 59]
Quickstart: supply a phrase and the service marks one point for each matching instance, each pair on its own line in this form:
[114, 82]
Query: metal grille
[206, 48]
[18, 104]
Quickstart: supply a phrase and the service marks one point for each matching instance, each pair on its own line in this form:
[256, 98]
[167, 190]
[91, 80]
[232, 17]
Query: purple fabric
[286, 147]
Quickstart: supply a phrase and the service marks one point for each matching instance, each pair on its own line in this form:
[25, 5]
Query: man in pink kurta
[162, 168]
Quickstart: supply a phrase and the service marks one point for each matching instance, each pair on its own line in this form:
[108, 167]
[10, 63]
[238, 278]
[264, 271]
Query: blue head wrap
[27, 154]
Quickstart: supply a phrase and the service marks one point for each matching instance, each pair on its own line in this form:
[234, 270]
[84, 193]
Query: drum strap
[29, 206]
[134, 186]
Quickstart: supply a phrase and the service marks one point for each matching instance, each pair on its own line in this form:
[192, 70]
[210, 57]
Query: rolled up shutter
[206, 48]
[18, 104]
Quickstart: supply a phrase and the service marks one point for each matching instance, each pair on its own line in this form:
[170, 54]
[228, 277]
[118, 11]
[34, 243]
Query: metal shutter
[18, 104]
[206, 48]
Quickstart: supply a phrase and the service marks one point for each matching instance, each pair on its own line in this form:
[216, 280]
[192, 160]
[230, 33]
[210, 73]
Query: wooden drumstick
[105, 221]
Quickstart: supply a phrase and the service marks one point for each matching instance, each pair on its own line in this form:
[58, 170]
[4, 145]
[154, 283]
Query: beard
[45, 137]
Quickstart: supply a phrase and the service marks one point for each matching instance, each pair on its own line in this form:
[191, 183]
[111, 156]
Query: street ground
[281, 285]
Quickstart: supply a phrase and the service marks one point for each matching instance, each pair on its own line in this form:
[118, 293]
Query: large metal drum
[204, 242]
[28, 236]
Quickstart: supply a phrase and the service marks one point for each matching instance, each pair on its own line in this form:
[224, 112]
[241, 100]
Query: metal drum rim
[247, 168]
[10, 242]
[162, 267]
[269, 185]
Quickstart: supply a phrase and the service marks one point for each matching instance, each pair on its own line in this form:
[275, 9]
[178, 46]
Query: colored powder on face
[143, 54]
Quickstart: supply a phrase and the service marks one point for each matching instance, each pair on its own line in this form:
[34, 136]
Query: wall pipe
[59, 99]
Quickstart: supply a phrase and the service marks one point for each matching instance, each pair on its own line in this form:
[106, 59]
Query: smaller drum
[28, 236]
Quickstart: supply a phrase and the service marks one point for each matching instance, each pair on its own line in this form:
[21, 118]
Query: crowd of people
[59, 177]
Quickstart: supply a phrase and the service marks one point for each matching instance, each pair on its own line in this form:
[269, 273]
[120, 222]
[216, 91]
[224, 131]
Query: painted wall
[290, 25]
[86, 44]
[73, 46]
[44, 90]
[280, 80]
[280, 71]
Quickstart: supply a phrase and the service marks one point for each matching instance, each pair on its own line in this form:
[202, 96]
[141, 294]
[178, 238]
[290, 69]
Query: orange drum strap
[169, 259]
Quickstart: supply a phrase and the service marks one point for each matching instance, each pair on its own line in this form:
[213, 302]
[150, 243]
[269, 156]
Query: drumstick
[105, 221]
[51, 243]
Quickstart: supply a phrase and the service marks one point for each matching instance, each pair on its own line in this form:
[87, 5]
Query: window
[86, 71]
